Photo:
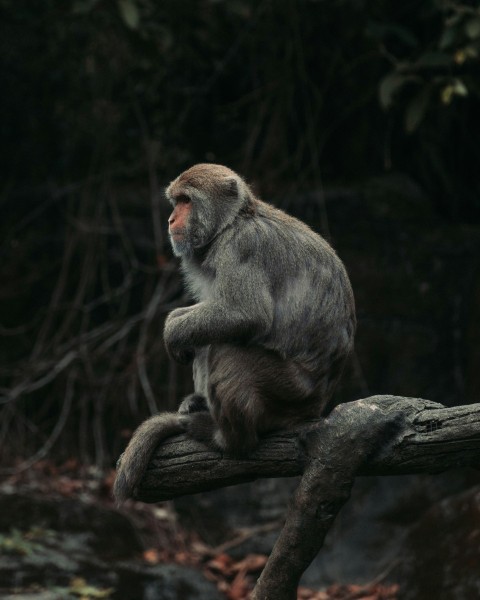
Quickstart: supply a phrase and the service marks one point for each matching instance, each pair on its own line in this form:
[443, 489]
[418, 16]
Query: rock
[32, 596]
[111, 535]
[69, 541]
[367, 540]
[174, 582]
[441, 557]
[163, 582]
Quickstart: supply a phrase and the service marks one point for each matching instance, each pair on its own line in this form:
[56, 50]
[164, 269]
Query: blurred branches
[88, 307]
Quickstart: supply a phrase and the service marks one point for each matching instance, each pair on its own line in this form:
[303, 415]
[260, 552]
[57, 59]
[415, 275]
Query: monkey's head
[206, 199]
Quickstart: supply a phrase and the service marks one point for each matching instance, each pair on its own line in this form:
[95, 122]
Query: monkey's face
[192, 223]
[206, 199]
[180, 227]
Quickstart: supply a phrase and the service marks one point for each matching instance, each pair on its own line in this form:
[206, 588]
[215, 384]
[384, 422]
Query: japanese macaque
[271, 329]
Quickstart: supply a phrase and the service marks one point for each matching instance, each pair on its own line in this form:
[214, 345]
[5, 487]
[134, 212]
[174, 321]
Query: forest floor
[61, 536]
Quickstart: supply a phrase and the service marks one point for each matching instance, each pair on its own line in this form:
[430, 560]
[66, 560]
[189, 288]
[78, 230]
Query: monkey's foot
[192, 404]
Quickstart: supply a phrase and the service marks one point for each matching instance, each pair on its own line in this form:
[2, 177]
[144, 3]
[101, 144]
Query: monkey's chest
[200, 286]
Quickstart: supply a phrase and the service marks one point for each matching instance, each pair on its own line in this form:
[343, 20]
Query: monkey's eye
[183, 199]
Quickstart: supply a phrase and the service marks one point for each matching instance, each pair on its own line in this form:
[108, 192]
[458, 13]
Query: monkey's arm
[240, 309]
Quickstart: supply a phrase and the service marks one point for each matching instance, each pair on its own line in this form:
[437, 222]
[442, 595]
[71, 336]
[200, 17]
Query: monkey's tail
[133, 463]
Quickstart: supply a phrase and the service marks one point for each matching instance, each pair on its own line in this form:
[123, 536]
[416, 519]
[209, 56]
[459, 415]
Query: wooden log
[425, 438]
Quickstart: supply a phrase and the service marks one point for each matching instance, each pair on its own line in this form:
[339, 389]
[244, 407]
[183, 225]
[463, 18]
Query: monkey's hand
[179, 312]
[191, 404]
[173, 335]
[183, 357]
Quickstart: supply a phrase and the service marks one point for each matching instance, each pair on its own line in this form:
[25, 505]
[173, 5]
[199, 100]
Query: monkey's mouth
[177, 234]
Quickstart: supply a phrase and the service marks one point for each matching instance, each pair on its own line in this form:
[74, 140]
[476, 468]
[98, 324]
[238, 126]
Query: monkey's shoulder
[277, 236]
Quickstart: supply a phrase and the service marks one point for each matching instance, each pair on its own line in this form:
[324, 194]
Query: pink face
[178, 220]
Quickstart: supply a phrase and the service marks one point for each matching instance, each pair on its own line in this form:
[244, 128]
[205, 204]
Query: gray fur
[274, 318]
[133, 462]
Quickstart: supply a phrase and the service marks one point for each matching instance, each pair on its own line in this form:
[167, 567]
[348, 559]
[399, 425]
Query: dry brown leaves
[351, 592]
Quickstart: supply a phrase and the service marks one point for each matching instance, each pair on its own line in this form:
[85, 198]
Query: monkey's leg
[202, 427]
[253, 391]
[197, 402]
[200, 371]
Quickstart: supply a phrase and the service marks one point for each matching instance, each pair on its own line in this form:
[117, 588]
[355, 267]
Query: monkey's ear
[231, 187]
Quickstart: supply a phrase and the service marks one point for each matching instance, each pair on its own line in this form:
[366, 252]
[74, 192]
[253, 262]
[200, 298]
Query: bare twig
[60, 424]
[30, 386]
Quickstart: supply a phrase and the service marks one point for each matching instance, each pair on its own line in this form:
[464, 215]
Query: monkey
[270, 331]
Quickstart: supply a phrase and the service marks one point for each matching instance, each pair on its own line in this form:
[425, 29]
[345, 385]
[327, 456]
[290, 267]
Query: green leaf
[384, 30]
[454, 19]
[405, 35]
[448, 38]
[416, 109]
[459, 88]
[79, 587]
[472, 28]
[389, 86]
[454, 88]
[82, 7]
[129, 13]
[434, 59]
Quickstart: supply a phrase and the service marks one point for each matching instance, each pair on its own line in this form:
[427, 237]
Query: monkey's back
[313, 304]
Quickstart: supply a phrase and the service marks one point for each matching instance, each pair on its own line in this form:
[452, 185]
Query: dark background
[359, 117]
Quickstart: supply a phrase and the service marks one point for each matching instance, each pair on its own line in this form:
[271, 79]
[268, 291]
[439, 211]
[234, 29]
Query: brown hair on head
[206, 176]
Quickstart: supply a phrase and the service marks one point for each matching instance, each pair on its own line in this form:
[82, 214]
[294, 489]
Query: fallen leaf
[239, 588]
[151, 556]
[222, 563]
[251, 563]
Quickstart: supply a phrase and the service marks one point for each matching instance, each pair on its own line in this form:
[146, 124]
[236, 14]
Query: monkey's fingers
[193, 403]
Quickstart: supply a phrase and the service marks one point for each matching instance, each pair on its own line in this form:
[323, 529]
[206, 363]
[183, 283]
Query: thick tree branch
[375, 436]
[426, 438]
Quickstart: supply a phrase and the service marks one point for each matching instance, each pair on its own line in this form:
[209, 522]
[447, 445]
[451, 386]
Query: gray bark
[375, 436]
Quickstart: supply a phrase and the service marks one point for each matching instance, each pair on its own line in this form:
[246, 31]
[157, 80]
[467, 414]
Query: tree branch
[375, 436]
